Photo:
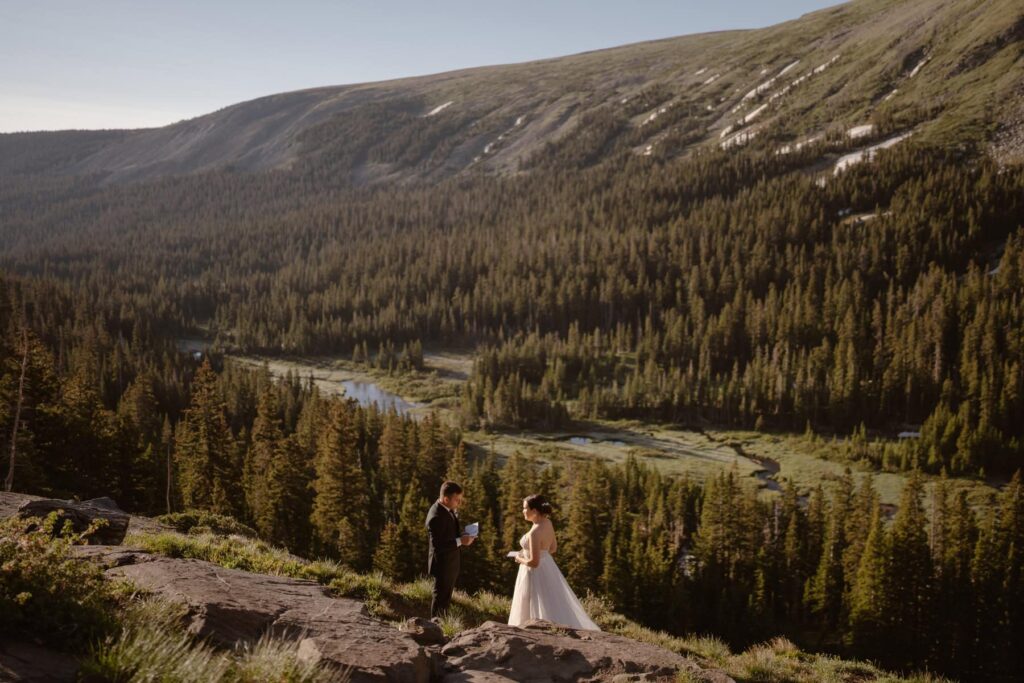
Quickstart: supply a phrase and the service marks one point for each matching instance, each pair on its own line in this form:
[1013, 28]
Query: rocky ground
[229, 606]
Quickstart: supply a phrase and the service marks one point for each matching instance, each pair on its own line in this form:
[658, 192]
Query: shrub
[47, 594]
[200, 521]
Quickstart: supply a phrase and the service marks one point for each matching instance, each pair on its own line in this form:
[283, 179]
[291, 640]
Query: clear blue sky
[136, 63]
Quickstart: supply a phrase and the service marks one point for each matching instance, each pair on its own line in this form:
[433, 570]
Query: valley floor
[771, 458]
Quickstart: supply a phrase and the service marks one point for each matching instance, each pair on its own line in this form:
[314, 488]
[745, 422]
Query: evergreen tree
[581, 543]
[207, 475]
[869, 599]
[402, 550]
[275, 479]
[341, 506]
[909, 581]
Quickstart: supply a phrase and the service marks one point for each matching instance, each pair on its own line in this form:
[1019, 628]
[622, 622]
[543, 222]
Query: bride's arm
[529, 559]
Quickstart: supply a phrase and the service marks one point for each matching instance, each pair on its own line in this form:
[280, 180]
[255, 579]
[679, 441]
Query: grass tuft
[153, 645]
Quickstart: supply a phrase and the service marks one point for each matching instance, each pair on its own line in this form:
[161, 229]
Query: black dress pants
[444, 584]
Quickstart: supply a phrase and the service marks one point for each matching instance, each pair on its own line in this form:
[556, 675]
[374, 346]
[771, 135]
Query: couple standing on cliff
[541, 592]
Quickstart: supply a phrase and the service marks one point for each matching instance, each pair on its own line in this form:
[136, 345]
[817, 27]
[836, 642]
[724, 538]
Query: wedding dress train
[543, 593]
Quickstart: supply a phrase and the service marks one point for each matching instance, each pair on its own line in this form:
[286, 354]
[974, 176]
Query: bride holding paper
[541, 591]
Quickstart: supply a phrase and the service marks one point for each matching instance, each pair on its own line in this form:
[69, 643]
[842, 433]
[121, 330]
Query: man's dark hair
[450, 488]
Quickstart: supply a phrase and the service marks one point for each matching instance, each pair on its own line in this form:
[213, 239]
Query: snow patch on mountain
[818, 69]
[918, 67]
[779, 93]
[490, 146]
[853, 158]
[861, 131]
[440, 108]
[654, 114]
[754, 114]
[741, 138]
[767, 84]
[800, 144]
[788, 69]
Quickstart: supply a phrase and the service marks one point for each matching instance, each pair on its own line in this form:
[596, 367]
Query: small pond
[366, 393]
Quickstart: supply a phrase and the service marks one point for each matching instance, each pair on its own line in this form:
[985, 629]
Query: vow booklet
[513, 553]
[472, 529]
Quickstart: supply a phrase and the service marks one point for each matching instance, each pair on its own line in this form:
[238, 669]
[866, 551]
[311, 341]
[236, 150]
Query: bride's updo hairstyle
[539, 503]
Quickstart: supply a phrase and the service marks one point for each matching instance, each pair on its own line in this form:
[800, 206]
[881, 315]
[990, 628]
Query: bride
[541, 590]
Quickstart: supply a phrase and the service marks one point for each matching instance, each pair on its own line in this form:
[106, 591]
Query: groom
[446, 541]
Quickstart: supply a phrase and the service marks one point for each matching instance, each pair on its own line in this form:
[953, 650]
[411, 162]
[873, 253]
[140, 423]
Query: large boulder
[10, 502]
[82, 515]
[541, 651]
[229, 606]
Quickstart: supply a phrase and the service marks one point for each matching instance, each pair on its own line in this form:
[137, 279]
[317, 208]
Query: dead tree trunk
[9, 481]
[168, 476]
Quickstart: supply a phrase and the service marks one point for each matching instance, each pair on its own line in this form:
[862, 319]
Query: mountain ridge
[665, 97]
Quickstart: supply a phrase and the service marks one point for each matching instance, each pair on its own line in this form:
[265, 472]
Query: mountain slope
[946, 69]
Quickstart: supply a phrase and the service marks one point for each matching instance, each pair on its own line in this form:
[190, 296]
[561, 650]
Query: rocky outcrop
[229, 606]
[541, 651]
[82, 515]
[11, 503]
[30, 663]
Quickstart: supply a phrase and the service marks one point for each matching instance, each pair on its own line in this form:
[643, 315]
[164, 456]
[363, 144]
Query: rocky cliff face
[228, 607]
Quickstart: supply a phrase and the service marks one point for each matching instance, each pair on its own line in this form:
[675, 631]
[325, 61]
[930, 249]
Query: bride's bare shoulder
[539, 530]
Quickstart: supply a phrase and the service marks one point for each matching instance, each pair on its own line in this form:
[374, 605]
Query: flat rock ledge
[228, 606]
[541, 651]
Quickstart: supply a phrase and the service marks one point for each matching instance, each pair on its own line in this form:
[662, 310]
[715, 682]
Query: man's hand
[467, 539]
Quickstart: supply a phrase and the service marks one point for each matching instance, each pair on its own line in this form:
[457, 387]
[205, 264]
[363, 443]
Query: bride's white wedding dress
[543, 593]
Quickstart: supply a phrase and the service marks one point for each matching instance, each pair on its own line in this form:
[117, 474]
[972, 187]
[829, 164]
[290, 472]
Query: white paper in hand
[513, 553]
[472, 529]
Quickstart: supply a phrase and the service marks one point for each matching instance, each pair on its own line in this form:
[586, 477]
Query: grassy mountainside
[949, 70]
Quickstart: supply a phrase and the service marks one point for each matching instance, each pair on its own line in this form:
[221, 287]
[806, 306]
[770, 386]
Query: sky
[140, 63]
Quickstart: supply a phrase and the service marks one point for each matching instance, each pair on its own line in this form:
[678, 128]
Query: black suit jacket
[443, 531]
